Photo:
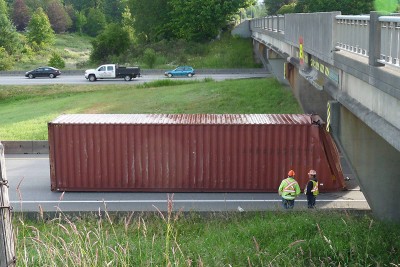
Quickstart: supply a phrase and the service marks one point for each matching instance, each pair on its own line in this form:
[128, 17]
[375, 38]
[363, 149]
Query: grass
[73, 48]
[294, 238]
[25, 110]
[229, 52]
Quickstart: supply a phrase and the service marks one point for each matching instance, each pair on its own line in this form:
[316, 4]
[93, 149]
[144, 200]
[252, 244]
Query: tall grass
[19, 122]
[297, 238]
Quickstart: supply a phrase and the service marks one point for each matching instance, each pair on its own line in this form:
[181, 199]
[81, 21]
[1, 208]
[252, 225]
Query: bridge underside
[375, 162]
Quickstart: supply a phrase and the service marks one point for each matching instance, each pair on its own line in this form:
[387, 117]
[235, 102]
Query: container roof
[194, 119]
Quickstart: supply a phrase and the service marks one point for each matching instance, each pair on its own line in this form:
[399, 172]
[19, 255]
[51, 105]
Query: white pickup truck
[112, 71]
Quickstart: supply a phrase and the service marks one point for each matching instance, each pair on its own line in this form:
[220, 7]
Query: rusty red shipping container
[189, 153]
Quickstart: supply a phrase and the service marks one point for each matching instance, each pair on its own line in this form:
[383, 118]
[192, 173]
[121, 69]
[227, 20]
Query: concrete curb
[26, 147]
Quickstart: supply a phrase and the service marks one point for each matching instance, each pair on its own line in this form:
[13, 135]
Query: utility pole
[7, 246]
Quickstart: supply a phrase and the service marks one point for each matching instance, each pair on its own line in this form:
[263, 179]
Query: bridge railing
[390, 40]
[349, 33]
[352, 34]
[270, 23]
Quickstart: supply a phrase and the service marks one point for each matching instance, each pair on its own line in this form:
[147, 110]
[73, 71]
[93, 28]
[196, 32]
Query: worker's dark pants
[288, 204]
[311, 201]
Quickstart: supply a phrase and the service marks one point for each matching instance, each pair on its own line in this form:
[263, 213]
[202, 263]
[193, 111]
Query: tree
[9, 38]
[274, 5]
[202, 20]
[58, 17]
[80, 21]
[113, 41]
[81, 5]
[113, 10]
[96, 22]
[34, 4]
[347, 7]
[150, 19]
[39, 31]
[20, 15]
[149, 57]
[127, 22]
[57, 61]
[72, 13]
[6, 61]
[386, 6]
[286, 9]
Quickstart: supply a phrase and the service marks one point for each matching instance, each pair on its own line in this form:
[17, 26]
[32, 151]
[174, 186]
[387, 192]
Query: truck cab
[106, 71]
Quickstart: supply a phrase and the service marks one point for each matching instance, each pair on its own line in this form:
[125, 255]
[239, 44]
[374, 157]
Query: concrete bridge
[346, 69]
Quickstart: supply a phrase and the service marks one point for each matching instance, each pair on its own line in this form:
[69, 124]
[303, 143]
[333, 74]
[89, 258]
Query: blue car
[180, 71]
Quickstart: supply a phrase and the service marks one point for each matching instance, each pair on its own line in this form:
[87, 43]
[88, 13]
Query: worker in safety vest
[311, 189]
[289, 190]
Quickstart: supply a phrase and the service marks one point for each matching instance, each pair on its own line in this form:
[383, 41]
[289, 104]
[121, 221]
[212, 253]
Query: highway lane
[80, 79]
[29, 181]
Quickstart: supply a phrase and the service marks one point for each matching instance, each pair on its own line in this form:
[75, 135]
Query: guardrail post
[374, 39]
[7, 246]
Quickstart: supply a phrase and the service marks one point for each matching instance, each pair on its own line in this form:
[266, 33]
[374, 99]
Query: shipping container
[189, 152]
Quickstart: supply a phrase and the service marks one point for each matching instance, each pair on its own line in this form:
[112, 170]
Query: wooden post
[7, 246]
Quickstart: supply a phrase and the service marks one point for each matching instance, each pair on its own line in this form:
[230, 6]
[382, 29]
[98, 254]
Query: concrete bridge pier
[371, 158]
[375, 163]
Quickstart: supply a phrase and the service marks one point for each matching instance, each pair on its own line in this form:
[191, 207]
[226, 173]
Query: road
[29, 180]
[80, 79]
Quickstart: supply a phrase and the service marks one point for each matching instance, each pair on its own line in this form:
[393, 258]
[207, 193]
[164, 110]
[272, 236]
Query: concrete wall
[318, 32]
[375, 161]
[26, 147]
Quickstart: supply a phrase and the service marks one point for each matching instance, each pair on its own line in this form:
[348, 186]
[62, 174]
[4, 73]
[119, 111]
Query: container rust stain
[189, 153]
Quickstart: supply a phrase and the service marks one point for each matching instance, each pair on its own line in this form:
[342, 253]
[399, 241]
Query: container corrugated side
[214, 155]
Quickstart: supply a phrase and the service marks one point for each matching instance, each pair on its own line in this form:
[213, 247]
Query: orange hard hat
[312, 172]
[291, 173]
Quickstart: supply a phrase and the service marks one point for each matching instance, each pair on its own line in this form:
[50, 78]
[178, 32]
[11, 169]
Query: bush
[149, 57]
[56, 61]
[6, 61]
[113, 41]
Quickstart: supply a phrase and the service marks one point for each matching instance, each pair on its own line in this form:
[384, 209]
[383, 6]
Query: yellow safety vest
[291, 189]
[314, 190]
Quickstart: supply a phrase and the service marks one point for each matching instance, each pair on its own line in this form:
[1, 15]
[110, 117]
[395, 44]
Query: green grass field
[294, 238]
[25, 110]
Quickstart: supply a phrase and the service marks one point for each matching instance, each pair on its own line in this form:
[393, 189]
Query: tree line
[122, 27]
[117, 25]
